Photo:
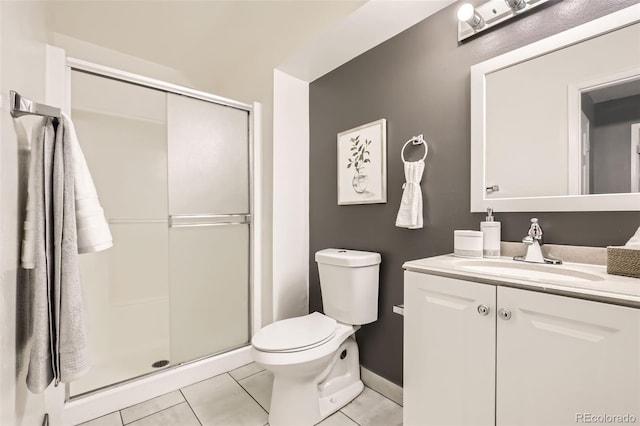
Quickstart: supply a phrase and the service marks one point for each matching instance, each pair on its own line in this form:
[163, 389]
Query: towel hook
[416, 140]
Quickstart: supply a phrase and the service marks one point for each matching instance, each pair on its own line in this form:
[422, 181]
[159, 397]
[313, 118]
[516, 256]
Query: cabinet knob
[505, 314]
[483, 310]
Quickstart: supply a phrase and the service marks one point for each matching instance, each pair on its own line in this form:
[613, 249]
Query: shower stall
[173, 171]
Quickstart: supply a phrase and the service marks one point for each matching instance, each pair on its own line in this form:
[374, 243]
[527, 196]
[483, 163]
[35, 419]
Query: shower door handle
[188, 221]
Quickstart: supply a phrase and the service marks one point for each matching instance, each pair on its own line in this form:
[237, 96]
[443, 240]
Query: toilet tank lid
[348, 258]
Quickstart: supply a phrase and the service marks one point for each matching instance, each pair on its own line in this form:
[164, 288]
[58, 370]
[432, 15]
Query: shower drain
[160, 363]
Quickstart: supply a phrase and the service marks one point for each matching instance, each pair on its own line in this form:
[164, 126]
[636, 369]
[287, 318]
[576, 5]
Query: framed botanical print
[362, 164]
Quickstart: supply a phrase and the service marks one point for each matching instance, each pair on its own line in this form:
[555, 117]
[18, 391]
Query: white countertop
[597, 284]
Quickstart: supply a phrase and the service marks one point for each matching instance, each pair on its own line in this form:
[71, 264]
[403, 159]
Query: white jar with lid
[467, 243]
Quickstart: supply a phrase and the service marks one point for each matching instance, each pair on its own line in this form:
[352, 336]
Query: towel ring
[416, 140]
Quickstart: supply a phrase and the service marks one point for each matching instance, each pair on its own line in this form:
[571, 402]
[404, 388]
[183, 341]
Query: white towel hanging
[410, 212]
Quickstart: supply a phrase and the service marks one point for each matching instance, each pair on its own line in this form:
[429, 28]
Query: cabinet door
[561, 360]
[449, 351]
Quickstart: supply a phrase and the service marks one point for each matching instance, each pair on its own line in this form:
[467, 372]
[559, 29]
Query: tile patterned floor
[241, 398]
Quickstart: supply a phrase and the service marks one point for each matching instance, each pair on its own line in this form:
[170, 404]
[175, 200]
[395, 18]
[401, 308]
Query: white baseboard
[381, 385]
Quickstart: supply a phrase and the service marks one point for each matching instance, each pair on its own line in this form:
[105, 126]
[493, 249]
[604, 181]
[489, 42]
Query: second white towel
[410, 212]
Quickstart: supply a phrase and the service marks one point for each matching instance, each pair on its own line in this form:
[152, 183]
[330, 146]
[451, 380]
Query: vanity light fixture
[472, 20]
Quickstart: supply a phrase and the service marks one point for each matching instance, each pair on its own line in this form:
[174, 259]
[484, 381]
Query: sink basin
[528, 271]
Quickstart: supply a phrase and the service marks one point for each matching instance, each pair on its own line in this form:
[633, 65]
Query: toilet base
[296, 402]
[333, 403]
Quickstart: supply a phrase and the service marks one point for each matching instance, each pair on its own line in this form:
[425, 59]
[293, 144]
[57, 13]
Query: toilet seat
[308, 354]
[295, 334]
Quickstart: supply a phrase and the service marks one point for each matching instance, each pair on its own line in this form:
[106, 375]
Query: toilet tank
[349, 284]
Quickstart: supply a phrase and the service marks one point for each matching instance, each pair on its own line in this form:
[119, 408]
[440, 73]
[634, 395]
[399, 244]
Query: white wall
[290, 196]
[22, 68]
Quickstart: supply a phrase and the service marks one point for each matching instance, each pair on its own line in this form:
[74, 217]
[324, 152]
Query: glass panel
[208, 157]
[122, 130]
[127, 293]
[124, 139]
[209, 289]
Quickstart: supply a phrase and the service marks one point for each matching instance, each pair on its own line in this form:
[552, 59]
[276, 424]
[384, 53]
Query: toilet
[314, 358]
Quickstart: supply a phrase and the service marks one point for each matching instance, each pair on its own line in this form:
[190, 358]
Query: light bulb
[466, 12]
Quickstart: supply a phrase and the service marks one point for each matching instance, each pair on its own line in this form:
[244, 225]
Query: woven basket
[623, 261]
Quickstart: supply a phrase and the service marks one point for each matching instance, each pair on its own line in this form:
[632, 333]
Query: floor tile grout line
[190, 407]
[384, 396]
[151, 414]
[345, 414]
[121, 418]
[248, 393]
[224, 372]
[145, 401]
[246, 377]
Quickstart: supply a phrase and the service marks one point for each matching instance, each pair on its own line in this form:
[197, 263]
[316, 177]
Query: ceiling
[212, 40]
[231, 47]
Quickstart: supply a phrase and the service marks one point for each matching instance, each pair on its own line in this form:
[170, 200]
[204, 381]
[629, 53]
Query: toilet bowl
[314, 358]
[315, 364]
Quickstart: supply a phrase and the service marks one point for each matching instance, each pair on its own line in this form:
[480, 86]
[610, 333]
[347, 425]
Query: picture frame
[362, 164]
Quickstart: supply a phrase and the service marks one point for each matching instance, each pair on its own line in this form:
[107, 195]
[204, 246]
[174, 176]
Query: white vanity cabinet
[477, 353]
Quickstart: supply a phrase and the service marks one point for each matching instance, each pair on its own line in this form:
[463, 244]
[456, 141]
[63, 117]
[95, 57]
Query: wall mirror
[555, 125]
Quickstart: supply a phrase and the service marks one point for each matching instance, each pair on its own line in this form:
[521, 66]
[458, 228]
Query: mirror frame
[594, 202]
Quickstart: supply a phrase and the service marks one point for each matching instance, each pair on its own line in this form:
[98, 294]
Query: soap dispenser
[491, 236]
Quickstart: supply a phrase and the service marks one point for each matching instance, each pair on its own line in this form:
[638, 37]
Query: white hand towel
[410, 212]
[93, 230]
[634, 242]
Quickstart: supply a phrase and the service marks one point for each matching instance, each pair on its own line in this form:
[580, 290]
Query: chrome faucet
[533, 241]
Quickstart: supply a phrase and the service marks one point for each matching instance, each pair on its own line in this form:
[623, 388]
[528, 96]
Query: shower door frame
[73, 410]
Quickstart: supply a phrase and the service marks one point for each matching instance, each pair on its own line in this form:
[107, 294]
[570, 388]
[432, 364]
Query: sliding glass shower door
[208, 226]
[172, 174]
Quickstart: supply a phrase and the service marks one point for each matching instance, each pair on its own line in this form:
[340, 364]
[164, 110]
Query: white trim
[635, 157]
[585, 154]
[256, 220]
[118, 397]
[600, 202]
[81, 65]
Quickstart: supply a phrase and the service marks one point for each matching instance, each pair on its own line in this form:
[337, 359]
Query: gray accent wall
[419, 82]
